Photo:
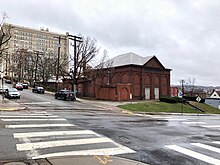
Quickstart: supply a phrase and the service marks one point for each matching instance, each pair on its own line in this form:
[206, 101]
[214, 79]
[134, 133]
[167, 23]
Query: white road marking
[36, 103]
[194, 154]
[28, 116]
[193, 122]
[58, 143]
[38, 125]
[176, 119]
[53, 133]
[216, 142]
[56, 119]
[107, 151]
[211, 148]
[32, 152]
[211, 126]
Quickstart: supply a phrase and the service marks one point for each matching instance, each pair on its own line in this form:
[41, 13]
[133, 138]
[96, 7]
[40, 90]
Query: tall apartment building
[33, 40]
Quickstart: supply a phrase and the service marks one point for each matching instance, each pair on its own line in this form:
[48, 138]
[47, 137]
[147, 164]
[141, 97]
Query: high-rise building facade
[39, 42]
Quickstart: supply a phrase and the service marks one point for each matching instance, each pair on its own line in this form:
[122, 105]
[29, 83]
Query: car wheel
[19, 97]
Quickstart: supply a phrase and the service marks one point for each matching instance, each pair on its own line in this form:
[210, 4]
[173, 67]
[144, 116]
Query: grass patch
[166, 107]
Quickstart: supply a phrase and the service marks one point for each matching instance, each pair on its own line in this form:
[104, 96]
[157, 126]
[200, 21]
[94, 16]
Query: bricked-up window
[125, 78]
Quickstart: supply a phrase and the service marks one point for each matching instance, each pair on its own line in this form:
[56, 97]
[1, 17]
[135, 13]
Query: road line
[207, 147]
[176, 119]
[216, 142]
[28, 116]
[211, 126]
[36, 103]
[56, 119]
[58, 143]
[38, 125]
[53, 133]
[191, 122]
[106, 151]
[194, 154]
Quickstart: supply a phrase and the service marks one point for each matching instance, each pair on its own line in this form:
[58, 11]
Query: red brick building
[130, 77]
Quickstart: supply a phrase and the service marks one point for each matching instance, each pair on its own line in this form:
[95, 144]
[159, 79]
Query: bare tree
[191, 85]
[86, 51]
[5, 35]
[47, 66]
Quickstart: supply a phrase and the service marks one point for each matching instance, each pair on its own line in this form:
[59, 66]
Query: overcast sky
[183, 34]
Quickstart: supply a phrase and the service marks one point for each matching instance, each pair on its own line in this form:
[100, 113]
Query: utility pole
[182, 82]
[35, 73]
[58, 64]
[75, 39]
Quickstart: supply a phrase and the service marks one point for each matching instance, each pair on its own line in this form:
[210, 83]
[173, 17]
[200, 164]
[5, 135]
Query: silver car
[12, 93]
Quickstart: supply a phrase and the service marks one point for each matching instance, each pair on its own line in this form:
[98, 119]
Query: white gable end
[214, 95]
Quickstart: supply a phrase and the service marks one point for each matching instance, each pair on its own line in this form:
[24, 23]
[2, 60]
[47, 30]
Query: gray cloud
[183, 34]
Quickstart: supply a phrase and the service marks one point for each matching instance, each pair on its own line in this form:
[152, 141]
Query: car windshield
[40, 88]
[12, 90]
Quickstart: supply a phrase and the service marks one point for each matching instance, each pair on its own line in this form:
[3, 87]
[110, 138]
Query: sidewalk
[8, 105]
[79, 160]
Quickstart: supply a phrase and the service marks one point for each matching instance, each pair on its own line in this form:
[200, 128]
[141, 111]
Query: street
[50, 128]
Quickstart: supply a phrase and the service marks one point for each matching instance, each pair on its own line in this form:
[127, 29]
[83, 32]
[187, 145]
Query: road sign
[198, 99]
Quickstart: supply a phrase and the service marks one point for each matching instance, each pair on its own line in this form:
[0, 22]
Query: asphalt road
[157, 139]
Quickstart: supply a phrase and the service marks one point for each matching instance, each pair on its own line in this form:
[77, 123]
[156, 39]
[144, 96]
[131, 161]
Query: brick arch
[111, 93]
[147, 79]
[137, 79]
[124, 94]
[114, 79]
[124, 78]
[105, 80]
[157, 80]
[164, 86]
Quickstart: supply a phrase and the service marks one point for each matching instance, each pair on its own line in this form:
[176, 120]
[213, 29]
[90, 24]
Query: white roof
[127, 59]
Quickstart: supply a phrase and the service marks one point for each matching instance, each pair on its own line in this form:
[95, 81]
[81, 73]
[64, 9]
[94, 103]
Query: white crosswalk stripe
[38, 125]
[207, 147]
[56, 119]
[60, 139]
[53, 133]
[194, 154]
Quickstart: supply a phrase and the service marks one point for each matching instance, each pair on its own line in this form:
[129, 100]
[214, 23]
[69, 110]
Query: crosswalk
[43, 135]
[208, 151]
[197, 150]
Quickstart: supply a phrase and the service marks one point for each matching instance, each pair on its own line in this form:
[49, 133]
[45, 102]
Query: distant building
[29, 39]
[130, 76]
[174, 91]
[215, 94]
[214, 99]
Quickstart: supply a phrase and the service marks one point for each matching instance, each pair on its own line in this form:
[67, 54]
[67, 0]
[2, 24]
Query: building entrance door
[156, 93]
[147, 93]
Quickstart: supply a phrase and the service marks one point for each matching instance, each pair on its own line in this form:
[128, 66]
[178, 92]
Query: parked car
[2, 89]
[18, 86]
[38, 90]
[65, 95]
[12, 93]
[25, 85]
[7, 81]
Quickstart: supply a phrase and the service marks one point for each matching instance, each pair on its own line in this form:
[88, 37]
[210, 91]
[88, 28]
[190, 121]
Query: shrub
[172, 99]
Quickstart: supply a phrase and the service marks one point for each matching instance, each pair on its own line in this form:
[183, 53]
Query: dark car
[25, 85]
[7, 81]
[12, 93]
[65, 95]
[38, 90]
